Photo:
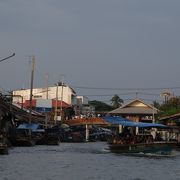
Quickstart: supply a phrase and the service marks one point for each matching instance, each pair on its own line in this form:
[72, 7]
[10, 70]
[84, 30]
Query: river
[85, 161]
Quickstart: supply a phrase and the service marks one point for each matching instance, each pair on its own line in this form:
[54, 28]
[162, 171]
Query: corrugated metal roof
[134, 110]
[136, 107]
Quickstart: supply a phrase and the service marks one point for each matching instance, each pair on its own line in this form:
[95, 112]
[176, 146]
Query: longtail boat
[138, 143]
[163, 148]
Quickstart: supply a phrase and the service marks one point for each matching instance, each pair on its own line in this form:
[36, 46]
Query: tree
[172, 106]
[156, 104]
[100, 106]
[116, 101]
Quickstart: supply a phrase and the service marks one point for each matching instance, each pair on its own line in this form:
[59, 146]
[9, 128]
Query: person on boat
[158, 136]
[153, 133]
[149, 139]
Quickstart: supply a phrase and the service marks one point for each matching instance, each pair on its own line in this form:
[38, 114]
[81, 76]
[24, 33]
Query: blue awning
[126, 122]
[35, 127]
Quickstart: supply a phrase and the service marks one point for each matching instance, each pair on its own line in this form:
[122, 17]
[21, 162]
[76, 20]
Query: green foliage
[172, 106]
[100, 106]
[156, 104]
[169, 112]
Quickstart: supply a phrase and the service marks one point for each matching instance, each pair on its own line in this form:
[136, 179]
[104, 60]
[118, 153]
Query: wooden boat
[21, 137]
[26, 134]
[51, 136]
[3, 149]
[163, 148]
[141, 144]
[3, 146]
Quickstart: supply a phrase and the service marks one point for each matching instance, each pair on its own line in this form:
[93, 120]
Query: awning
[33, 126]
[126, 122]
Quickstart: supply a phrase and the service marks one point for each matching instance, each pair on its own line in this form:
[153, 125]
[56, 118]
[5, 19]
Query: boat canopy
[35, 127]
[129, 123]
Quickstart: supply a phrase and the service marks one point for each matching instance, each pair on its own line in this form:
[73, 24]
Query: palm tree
[116, 101]
[156, 104]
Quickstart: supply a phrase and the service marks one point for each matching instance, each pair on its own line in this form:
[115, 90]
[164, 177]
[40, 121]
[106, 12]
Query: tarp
[126, 122]
[33, 126]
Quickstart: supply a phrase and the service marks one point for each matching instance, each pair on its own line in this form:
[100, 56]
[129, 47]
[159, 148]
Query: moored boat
[21, 137]
[3, 145]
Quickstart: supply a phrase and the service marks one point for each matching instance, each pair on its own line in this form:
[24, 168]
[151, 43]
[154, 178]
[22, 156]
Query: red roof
[64, 104]
[27, 103]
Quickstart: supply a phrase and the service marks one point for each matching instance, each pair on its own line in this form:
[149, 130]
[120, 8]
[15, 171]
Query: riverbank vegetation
[169, 107]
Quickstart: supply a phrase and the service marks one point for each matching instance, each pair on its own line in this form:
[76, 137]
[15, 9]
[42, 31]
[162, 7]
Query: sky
[126, 45]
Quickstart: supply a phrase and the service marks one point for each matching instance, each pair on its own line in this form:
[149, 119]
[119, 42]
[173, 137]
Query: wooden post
[137, 130]
[120, 128]
[87, 133]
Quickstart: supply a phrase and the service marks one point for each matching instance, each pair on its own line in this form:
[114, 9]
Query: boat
[3, 145]
[21, 137]
[3, 149]
[51, 136]
[135, 142]
[153, 147]
[25, 134]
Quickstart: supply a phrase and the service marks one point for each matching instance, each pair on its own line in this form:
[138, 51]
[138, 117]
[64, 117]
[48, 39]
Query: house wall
[66, 93]
[82, 100]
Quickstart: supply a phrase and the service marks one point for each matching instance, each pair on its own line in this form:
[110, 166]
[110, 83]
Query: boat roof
[33, 126]
[129, 123]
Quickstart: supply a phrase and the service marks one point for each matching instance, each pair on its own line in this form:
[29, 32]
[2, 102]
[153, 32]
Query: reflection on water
[85, 161]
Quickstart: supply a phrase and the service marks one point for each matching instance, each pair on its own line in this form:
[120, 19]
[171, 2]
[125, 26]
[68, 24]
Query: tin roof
[135, 107]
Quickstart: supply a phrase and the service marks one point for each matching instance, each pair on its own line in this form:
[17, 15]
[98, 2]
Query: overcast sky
[92, 43]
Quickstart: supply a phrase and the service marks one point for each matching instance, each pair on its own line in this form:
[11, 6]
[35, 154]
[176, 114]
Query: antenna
[46, 84]
[7, 57]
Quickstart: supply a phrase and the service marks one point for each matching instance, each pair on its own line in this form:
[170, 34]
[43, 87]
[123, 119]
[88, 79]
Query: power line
[126, 89]
[108, 94]
[122, 94]
[130, 99]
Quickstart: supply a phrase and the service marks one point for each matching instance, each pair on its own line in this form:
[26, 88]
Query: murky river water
[85, 161]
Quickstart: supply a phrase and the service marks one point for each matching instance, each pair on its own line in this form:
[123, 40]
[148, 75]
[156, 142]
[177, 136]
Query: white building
[82, 100]
[83, 107]
[64, 93]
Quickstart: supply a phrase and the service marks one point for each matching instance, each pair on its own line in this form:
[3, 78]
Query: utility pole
[153, 116]
[55, 114]
[61, 108]
[31, 89]
[46, 79]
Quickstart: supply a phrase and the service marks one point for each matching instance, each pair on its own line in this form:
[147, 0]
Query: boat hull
[154, 148]
[3, 149]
